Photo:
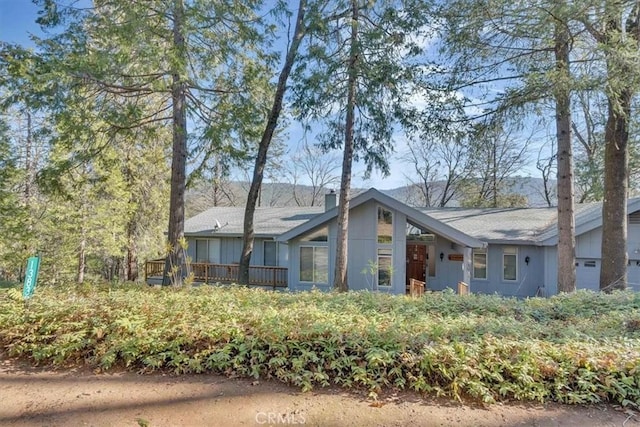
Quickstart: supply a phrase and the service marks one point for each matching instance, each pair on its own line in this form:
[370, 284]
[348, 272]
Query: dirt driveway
[41, 397]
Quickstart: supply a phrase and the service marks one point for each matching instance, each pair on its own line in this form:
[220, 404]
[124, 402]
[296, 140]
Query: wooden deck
[259, 275]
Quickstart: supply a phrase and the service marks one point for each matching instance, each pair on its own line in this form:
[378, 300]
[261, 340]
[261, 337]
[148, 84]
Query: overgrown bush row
[575, 348]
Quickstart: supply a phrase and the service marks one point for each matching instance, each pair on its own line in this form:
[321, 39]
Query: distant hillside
[531, 188]
[234, 193]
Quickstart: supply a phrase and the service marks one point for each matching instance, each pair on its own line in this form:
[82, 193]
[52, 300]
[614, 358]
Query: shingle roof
[523, 225]
[517, 225]
[267, 221]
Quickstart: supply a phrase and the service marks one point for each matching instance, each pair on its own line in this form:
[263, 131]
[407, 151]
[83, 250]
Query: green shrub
[578, 348]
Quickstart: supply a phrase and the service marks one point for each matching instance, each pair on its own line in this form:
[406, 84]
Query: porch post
[467, 265]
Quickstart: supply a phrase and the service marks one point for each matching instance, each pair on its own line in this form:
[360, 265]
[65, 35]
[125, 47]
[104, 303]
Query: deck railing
[416, 287]
[260, 275]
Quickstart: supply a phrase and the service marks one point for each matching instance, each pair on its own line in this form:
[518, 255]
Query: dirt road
[42, 397]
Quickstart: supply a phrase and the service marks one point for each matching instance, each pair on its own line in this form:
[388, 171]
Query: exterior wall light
[527, 259]
[441, 256]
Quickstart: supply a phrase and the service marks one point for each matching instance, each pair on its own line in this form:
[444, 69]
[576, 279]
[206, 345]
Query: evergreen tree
[615, 29]
[265, 142]
[202, 60]
[354, 78]
[523, 49]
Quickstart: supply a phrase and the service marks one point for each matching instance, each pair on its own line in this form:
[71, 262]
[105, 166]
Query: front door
[416, 262]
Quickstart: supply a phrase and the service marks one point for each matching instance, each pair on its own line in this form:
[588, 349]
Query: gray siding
[529, 276]
[538, 277]
[551, 270]
[588, 244]
[231, 249]
[362, 250]
[448, 273]
[362, 245]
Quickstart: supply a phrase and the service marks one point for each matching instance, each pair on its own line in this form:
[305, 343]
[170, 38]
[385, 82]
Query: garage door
[633, 275]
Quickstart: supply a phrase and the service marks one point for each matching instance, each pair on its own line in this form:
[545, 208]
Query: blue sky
[17, 21]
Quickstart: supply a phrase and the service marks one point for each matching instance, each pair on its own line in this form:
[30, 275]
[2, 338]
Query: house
[512, 252]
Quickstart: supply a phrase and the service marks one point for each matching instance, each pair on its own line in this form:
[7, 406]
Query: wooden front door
[416, 262]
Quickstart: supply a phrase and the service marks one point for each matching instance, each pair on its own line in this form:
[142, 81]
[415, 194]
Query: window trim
[314, 281]
[484, 252]
[514, 254]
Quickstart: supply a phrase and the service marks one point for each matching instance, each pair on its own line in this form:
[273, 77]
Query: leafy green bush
[576, 348]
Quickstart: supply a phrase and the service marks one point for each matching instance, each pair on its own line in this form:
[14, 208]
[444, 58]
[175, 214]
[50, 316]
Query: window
[385, 267]
[431, 260]
[314, 264]
[202, 250]
[207, 250]
[480, 264]
[385, 225]
[318, 235]
[510, 264]
[270, 253]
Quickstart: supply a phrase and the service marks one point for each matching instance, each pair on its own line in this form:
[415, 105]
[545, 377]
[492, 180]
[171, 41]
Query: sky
[17, 21]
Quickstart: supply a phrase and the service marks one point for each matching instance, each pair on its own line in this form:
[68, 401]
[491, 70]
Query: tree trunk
[28, 167]
[494, 176]
[566, 216]
[130, 264]
[81, 261]
[613, 273]
[265, 142]
[132, 256]
[340, 281]
[174, 264]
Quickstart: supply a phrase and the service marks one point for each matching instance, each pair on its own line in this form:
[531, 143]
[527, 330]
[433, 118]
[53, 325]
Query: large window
[480, 264]
[270, 253]
[510, 264]
[207, 250]
[385, 262]
[385, 225]
[314, 264]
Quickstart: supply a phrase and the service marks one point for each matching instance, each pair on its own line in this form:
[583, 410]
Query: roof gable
[415, 215]
[588, 218]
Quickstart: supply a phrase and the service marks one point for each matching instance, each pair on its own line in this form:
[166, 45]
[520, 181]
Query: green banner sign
[31, 276]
